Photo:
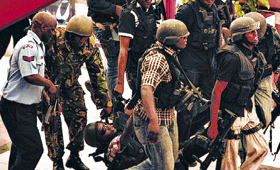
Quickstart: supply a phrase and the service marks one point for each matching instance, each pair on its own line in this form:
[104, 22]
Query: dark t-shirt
[228, 67]
[127, 25]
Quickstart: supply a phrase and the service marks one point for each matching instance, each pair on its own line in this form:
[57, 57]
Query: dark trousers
[21, 123]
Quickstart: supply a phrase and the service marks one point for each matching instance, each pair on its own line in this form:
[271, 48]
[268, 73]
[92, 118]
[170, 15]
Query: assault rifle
[274, 114]
[120, 117]
[216, 149]
[51, 116]
[276, 111]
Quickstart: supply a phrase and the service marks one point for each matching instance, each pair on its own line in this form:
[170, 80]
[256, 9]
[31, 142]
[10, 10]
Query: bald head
[43, 18]
[43, 25]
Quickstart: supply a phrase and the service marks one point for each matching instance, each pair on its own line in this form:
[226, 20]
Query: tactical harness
[209, 25]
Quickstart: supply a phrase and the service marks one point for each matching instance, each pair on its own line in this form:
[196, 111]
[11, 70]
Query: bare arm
[214, 107]
[149, 105]
[124, 43]
[36, 79]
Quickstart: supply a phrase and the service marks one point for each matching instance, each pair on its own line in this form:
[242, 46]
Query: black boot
[58, 164]
[74, 161]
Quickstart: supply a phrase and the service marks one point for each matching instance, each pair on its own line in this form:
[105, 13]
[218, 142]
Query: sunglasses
[104, 129]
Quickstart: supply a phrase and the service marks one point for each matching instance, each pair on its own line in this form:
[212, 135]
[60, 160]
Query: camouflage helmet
[258, 18]
[80, 25]
[170, 31]
[241, 26]
[91, 134]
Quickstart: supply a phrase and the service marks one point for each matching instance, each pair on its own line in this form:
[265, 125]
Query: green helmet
[91, 134]
[258, 18]
[80, 25]
[241, 26]
[170, 31]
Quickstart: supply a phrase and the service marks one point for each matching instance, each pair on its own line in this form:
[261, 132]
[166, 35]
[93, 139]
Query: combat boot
[74, 161]
[58, 164]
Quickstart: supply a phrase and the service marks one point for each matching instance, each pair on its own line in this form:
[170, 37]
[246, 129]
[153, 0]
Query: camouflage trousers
[75, 116]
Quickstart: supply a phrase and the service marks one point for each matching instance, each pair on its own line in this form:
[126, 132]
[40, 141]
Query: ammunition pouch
[197, 145]
[237, 93]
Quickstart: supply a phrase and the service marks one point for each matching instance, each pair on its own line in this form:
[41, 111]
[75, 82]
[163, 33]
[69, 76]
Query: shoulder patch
[28, 58]
[27, 45]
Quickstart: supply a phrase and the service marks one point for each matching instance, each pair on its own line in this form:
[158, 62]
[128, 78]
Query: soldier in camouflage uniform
[66, 54]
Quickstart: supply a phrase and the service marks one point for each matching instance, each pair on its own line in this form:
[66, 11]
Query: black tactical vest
[208, 23]
[165, 93]
[144, 37]
[145, 28]
[239, 88]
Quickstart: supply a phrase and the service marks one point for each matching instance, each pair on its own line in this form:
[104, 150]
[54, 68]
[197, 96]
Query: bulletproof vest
[239, 88]
[208, 23]
[133, 154]
[166, 93]
[145, 29]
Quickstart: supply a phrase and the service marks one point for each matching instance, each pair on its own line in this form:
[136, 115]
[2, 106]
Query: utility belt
[102, 27]
[231, 134]
[267, 70]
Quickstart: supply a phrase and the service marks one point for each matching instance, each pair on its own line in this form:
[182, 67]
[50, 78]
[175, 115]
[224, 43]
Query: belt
[101, 26]
[252, 130]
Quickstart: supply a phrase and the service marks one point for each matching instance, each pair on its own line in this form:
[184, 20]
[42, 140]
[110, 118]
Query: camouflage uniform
[64, 68]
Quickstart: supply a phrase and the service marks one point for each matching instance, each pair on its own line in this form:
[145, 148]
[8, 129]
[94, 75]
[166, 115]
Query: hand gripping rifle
[216, 149]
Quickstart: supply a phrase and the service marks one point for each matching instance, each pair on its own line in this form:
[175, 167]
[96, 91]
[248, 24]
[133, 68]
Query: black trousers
[21, 123]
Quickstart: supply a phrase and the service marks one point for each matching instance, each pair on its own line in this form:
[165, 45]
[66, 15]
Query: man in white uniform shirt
[23, 90]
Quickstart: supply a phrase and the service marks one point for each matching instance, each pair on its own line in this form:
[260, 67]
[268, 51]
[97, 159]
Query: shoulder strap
[178, 65]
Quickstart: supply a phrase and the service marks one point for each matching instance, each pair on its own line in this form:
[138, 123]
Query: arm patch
[29, 59]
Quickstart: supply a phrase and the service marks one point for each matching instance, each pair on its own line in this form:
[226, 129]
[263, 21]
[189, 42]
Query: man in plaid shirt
[154, 118]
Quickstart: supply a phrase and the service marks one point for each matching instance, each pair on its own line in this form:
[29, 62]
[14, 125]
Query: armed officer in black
[201, 18]
[105, 14]
[137, 30]
[239, 68]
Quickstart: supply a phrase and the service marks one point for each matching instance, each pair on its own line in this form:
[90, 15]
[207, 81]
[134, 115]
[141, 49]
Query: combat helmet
[91, 134]
[241, 26]
[80, 25]
[258, 18]
[170, 31]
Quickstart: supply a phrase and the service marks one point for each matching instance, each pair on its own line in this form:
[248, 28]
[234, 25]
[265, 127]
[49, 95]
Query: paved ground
[46, 164]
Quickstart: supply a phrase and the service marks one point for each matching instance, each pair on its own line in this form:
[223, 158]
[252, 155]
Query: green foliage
[249, 6]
